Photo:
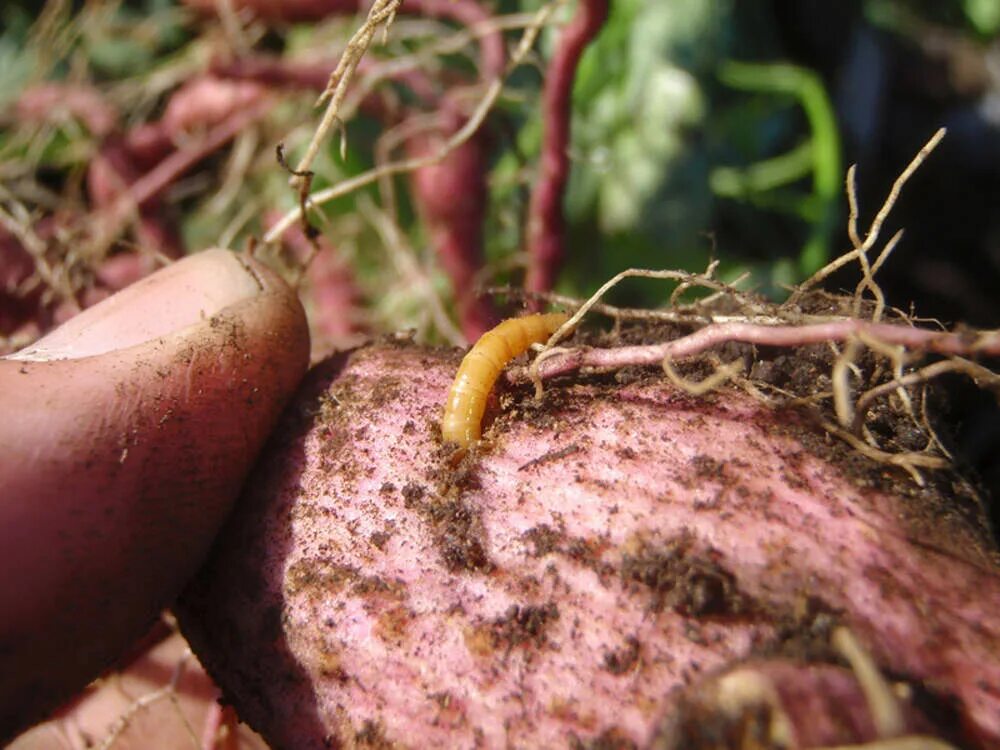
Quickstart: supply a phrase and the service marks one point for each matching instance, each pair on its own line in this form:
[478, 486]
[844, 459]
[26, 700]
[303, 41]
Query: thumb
[124, 438]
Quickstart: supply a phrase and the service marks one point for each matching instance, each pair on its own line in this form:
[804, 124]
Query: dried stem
[381, 14]
[416, 278]
[168, 691]
[493, 91]
[704, 280]
[862, 248]
[690, 314]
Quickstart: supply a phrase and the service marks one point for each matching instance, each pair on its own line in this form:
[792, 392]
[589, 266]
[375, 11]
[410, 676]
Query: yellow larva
[463, 412]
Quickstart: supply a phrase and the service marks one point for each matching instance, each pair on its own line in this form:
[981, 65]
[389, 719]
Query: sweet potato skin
[564, 583]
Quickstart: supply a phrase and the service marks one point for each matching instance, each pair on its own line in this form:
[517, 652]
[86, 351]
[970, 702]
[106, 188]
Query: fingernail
[182, 294]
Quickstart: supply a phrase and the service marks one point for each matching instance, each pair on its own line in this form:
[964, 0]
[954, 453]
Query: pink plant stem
[275, 71]
[453, 195]
[546, 223]
[915, 339]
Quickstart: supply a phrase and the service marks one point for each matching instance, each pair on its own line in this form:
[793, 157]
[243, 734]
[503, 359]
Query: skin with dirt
[597, 572]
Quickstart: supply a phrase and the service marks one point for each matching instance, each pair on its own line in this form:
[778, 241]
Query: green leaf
[984, 15]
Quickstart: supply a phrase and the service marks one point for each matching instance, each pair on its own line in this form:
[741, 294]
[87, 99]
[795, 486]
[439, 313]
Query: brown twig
[546, 222]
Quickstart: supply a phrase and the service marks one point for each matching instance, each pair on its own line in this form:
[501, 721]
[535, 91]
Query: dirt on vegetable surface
[601, 570]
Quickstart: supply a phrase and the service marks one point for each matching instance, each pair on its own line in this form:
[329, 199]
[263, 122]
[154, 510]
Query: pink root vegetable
[206, 102]
[46, 102]
[194, 110]
[278, 72]
[130, 173]
[620, 565]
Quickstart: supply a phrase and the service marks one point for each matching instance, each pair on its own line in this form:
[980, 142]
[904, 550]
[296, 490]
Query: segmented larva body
[463, 412]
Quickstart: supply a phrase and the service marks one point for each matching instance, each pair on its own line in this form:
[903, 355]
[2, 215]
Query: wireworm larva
[463, 412]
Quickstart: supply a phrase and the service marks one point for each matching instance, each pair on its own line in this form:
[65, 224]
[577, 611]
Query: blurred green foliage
[818, 157]
[16, 63]
[983, 15]
[639, 193]
[980, 17]
[662, 152]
